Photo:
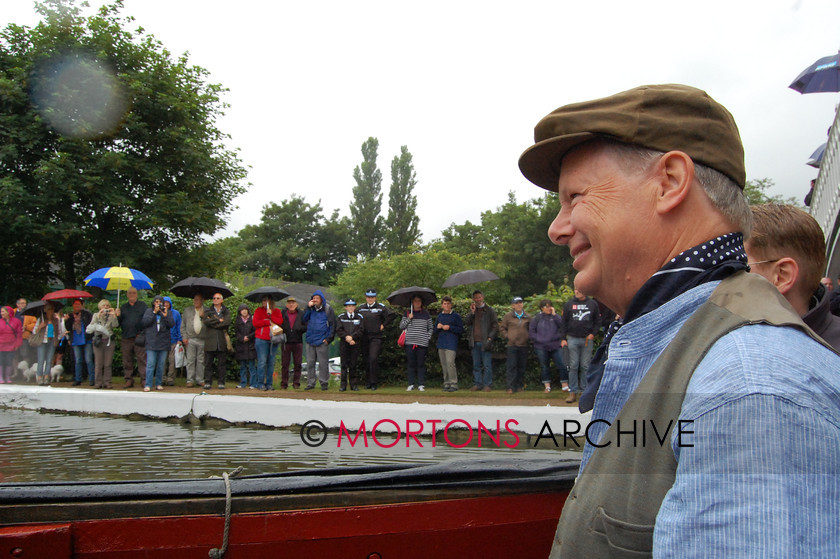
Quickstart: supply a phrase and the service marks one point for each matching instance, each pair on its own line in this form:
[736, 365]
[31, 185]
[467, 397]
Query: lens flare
[78, 95]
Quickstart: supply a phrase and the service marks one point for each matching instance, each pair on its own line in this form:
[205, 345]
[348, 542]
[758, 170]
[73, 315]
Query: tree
[402, 224]
[756, 193]
[114, 157]
[367, 203]
[294, 242]
[515, 235]
[429, 268]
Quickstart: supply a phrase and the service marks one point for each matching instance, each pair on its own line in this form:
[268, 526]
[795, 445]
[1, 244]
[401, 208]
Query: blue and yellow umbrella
[119, 278]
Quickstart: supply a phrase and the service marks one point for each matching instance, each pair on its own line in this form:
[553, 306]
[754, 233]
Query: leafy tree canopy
[516, 236]
[427, 268]
[756, 192]
[295, 242]
[368, 226]
[110, 151]
[402, 226]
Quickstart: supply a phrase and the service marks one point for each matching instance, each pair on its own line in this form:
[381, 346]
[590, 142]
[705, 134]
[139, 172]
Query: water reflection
[57, 447]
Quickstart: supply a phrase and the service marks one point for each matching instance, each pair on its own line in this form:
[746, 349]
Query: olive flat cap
[659, 117]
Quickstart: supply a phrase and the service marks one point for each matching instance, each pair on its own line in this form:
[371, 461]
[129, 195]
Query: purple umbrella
[822, 75]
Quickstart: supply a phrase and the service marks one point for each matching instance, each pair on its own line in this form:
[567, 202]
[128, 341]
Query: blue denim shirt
[762, 478]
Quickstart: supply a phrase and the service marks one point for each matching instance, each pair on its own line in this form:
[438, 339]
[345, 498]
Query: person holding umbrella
[268, 321]
[76, 324]
[11, 337]
[417, 324]
[130, 316]
[193, 333]
[45, 337]
[217, 320]
[157, 322]
[482, 326]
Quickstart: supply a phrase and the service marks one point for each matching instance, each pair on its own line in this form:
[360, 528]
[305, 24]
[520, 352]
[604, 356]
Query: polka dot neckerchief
[713, 260]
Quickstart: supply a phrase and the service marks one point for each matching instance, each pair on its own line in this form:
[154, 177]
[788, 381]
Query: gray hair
[726, 196]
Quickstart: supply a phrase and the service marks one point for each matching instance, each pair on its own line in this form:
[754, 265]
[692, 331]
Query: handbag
[37, 338]
[401, 339]
[277, 335]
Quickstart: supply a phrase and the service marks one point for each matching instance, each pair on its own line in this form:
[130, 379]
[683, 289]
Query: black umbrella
[402, 297]
[469, 276]
[207, 287]
[36, 308]
[274, 292]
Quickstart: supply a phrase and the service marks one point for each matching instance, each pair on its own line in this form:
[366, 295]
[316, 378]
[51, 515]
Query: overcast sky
[462, 84]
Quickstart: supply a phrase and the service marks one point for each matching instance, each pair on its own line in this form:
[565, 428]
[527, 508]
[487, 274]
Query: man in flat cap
[742, 394]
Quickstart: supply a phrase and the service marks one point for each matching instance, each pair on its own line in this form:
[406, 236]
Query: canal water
[36, 446]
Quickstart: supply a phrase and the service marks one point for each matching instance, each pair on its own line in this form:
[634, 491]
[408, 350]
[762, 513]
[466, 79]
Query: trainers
[421, 388]
[241, 386]
[310, 387]
[146, 389]
[221, 386]
[207, 386]
[410, 388]
[189, 384]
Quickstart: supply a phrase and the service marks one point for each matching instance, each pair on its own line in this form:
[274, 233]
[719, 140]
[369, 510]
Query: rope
[216, 553]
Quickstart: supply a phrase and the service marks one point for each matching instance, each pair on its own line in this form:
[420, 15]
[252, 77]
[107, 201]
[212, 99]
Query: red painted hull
[506, 517]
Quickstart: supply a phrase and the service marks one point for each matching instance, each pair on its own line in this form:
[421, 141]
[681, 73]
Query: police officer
[349, 332]
[375, 317]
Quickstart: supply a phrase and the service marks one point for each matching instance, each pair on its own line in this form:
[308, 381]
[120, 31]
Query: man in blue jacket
[319, 319]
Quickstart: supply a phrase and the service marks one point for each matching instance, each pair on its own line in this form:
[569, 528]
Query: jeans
[580, 354]
[416, 355]
[266, 352]
[83, 351]
[516, 357]
[155, 363]
[45, 357]
[246, 366]
[544, 356]
[482, 360]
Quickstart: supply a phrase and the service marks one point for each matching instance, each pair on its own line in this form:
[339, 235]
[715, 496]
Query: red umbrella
[66, 294]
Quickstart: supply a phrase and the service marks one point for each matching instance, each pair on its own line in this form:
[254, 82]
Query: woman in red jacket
[266, 319]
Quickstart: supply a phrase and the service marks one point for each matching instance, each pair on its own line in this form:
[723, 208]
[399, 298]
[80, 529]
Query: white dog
[22, 367]
[56, 372]
[29, 374]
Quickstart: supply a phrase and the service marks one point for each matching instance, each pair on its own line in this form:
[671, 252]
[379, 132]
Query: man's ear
[674, 176]
[785, 273]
